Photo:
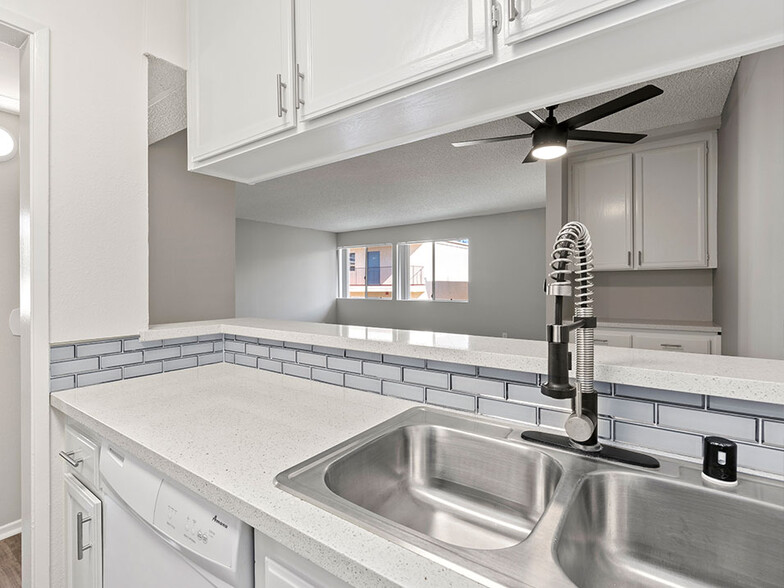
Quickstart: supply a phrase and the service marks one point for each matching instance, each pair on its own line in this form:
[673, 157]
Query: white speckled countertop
[225, 432]
[718, 375]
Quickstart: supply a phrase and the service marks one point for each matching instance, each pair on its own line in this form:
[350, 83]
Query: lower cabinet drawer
[610, 339]
[81, 456]
[686, 343]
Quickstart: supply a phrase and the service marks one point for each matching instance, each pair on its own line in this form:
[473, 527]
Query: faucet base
[605, 452]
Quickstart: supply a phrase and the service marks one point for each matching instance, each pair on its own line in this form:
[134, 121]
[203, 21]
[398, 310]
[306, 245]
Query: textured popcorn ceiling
[431, 180]
[165, 99]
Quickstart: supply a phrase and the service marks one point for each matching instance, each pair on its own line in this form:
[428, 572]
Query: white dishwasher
[158, 535]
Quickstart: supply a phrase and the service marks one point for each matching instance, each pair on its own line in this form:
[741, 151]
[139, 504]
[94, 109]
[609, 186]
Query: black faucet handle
[720, 461]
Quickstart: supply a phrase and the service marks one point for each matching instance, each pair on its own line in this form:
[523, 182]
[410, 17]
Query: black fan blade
[491, 140]
[613, 106]
[604, 136]
[530, 157]
[532, 119]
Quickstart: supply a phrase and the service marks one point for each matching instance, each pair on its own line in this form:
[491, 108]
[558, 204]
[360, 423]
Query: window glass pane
[451, 271]
[356, 272]
[379, 271]
[420, 271]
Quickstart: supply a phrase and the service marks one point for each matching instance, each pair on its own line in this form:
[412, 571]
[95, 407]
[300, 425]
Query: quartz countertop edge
[743, 378]
[204, 427]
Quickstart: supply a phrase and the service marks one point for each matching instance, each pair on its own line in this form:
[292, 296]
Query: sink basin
[459, 488]
[632, 530]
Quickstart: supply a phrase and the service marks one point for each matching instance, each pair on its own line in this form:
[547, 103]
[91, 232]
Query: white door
[601, 198]
[83, 534]
[240, 73]
[670, 207]
[352, 50]
[526, 19]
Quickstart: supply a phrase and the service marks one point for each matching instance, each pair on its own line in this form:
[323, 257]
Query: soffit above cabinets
[430, 180]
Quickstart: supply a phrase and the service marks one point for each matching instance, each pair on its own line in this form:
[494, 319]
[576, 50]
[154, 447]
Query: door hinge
[494, 15]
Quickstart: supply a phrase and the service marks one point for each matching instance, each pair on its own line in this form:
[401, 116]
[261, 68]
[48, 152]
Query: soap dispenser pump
[720, 461]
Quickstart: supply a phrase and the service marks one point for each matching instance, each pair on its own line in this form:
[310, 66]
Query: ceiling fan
[550, 136]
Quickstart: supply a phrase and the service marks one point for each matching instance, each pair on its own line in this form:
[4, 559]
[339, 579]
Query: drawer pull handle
[671, 345]
[600, 341]
[69, 457]
[512, 10]
[80, 546]
[281, 86]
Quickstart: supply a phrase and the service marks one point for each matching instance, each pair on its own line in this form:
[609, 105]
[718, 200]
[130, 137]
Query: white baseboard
[10, 529]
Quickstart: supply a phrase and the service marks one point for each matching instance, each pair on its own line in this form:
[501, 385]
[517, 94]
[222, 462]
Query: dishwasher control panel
[197, 525]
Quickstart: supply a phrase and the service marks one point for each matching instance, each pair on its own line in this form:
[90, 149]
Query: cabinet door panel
[82, 527]
[612, 339]
[352, 50]
[671, 199]
[237, 50]
[601, 191]
[537, 17]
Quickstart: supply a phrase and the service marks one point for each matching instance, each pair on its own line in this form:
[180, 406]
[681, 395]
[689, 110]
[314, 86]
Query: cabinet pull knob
[671, 345]
[299, 87]
[69, 457]
[80, 546]
[281, 86]
[510, 7]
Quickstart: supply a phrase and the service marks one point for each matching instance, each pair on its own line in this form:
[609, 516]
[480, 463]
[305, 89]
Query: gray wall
[191, 238]
[749, 282]
[505, 269]
[10, 386]
[285, 272]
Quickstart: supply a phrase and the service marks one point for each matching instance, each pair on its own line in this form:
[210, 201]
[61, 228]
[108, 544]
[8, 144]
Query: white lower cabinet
[279, 567]
[610, 339]
[659, 339]
[83, 536]
[674, 342]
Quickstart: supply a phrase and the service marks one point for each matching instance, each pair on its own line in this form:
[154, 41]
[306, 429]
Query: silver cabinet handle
[671, 345]
[80, 546]
[69, 457]
[510, 7]
[639, 258]
[299, 87]
[600, 341]
[281, 86]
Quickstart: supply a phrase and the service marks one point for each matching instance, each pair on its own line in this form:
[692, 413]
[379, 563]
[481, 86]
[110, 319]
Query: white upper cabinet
[602, 193]
[526, 19]
[240, 73]
[651, 206]
[672, 202]
[352, 50]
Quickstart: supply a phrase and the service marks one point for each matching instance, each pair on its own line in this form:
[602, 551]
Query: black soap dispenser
[720, 461]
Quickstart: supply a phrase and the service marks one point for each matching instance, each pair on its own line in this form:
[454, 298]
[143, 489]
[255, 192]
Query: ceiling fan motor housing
[550, 135]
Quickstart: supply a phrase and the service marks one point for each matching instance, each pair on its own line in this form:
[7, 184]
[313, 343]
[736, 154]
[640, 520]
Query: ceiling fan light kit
[550, 137]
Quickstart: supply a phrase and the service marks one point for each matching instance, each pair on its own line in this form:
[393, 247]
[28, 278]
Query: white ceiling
[431, 180]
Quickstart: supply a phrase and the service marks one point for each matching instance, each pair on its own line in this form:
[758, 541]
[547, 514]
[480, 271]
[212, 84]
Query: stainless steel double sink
[471, 494]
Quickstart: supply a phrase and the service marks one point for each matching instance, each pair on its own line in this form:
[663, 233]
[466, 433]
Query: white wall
[749, 282]
[505, 287]
[285, 272]
[10, 391]
[98, 173]
[191, 238]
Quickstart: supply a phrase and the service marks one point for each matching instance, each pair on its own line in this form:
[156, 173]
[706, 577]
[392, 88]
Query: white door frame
[33, 40]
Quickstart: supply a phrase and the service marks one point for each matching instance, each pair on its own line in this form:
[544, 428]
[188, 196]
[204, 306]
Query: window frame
[343, 269]
[403, 292]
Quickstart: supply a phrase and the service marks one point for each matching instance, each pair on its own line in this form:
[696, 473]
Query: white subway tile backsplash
[478, 386]
[228, 357]
[300, 346]
[269, 365]
[404, 391]
[294, 369]
[158, 354]
[408, 361]
[630, 410]
[93, 378]
[383, 371]
[764, 459]
[605, 429]
[656, 395]
[328, 350]
[327, 376]
[363, 383]
[603, 387]
[659, 439]
[366, 355]
[236, 346]
[110, 361]
[344, 365]
[507, 410]
[248, 339]
[269, 342]
[180, 363]
[62, 383]
[92, 349]
[425, 378]
[74, 366]
[62, 353]
[283, 354]
[311, 359]
[773, 433]
[135, 344]
[553, 418]
[533, 394]
[257, 350]
[510, 375]
[145, 369]
[762, 409]
[196, 349]
[703, 421]
[246, 360]
[217, 345]
[211, 358]
[180, 341]
[453, 368]
[451, 400]
[210, 337]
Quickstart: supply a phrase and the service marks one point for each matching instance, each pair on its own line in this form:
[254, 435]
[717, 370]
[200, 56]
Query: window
[433, 270]
[366, 272]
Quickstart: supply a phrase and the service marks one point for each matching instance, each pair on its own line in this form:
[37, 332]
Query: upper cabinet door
[601, 198]
[240, 73]
[671, 202]
[352, 50]
[526, 19]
